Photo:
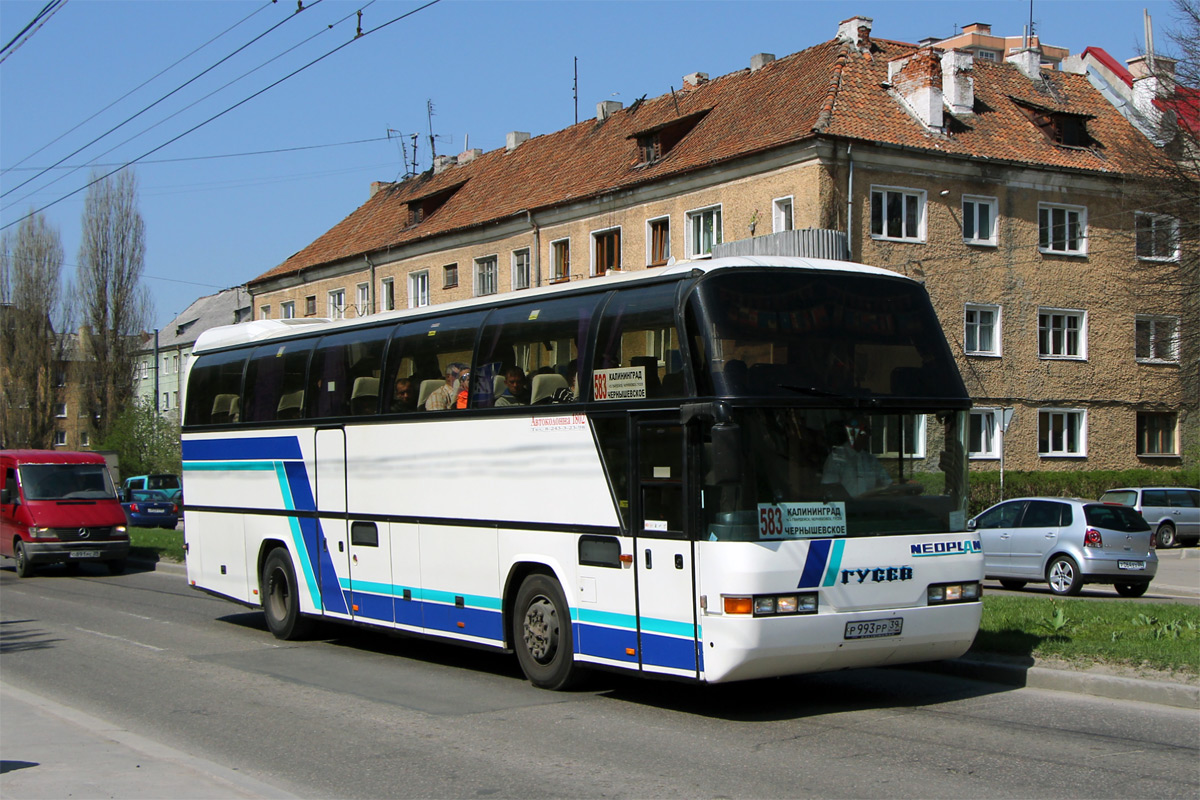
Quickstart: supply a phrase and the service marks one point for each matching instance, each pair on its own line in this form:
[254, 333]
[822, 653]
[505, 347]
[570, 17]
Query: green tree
[144, 441]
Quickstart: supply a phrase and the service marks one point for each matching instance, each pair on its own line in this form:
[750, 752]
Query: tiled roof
[829, 90]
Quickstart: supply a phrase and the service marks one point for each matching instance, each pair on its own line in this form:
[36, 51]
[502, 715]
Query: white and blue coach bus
[714, 471]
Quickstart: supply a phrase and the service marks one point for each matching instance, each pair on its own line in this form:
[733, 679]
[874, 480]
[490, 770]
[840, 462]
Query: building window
[658, 236]
[175, 363]
[60, 438]
[337, 304]
[560, 258]
[607, 251]
[287, 310]
[60, 410]
[1157, 237]
[1062, 432]
[166, 367]
[264, 312]
[782, 214]
[649, 148]
[1062, 229]
[387, 294]
[981, 336]
[1157, 339]
[894, 434]
[1156, 434]
[985, 55]
[520, 269]
[418, 289]
[704, 231]
[362, 300]
[450, 276]
[1062, 333]
[984, 433]
[174, 399]
[85, 439]
[898, 214]
[166, 401]
[485, 276]
[310, 306]
[979, 220]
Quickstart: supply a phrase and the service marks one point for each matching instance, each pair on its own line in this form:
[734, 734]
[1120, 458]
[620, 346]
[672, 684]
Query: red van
[59, 507]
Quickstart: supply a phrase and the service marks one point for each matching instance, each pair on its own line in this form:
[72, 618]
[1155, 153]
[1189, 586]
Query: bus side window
[431, 347]
[338, 364]
[275, 381]
[638, 332]
[215, 388]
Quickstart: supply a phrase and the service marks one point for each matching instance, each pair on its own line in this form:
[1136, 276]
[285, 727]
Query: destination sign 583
[801, 520]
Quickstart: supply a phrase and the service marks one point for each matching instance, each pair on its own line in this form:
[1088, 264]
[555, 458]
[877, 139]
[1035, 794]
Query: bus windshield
[819, 335]
[820, 473]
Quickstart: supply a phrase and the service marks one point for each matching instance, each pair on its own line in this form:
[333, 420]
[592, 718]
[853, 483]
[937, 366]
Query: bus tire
[542, 634]
[281, 597]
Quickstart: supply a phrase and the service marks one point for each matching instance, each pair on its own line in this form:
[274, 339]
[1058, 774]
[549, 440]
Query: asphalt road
[363, 715]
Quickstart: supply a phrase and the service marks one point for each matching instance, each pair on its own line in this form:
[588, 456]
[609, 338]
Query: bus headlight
[942, 593]
[771, 605]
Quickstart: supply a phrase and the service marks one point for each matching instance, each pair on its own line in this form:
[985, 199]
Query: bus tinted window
[275, 381]
[542, 340]
[425, 351]
[344, 378]
[215, 389]
[637, 349]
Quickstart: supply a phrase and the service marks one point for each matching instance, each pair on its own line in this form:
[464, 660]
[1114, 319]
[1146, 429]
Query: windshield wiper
[809, 390]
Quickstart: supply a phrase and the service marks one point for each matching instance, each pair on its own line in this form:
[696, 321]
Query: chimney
[982, 28]
[515, 139]
[760, 60]
[856, 31]
[442, 163]
[958, 81]
[375, 187]
[918, 80]
[467, 156]
[1029, 61]
[607, 108]
[694, 80]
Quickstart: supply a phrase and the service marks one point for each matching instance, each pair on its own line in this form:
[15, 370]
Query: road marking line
[123, 639]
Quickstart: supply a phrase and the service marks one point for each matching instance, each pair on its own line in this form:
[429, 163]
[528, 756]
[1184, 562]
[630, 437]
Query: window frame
[486, 266]
[652, 238]
[1079, 414]
[560, 268]
[418, 297]
[990, 431]
[695, 217]
[60, 410]
[1171, 223]
[602, 239]
[905, 192]
[337, 310]
[362, 299]
[997, 349]
[1046, 240]
[1081, 344]
[310, 305]
[1174, 339]
[518, 269]
[264, 312]
[1142, 434]
[387, 294]
[778, 221]
[60, 438]
[991, 203]
[287, 309]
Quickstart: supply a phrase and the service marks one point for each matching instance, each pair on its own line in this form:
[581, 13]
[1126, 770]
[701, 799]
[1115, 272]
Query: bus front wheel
[542, 634]
[281, 598]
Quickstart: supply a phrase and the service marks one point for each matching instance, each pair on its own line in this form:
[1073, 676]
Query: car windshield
[1115, 518]
[66, 482]
[817, 473]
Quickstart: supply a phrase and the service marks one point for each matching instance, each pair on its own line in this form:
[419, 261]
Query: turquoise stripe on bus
[835, 562]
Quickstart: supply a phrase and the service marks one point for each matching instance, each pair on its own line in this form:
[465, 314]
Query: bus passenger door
[663, 553]
[331, 521]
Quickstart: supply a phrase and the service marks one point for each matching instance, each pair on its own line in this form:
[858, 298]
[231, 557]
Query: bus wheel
[281, 598]
[542, 634]
[24, 568]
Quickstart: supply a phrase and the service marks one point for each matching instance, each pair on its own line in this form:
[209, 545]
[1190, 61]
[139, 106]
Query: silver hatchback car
[1067, 543]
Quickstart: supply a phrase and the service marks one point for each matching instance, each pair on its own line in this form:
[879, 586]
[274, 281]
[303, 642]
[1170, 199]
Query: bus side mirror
[726, 452]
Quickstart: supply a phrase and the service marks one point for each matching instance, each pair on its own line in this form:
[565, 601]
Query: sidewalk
[50, 750]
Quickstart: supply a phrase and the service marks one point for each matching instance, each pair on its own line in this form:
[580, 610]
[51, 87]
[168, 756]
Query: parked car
[59, 507]
[150, 508]
[165, 481]
[1172, 511]
[1067, 543]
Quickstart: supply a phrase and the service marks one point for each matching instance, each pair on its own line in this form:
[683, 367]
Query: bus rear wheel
[542, 634]
[281, 598]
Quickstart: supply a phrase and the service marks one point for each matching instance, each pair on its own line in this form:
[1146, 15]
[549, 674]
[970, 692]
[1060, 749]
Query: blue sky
[488, 66]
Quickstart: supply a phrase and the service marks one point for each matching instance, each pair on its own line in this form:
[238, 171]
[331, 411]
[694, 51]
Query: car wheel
[1063, 576]
[1014, 585]
[281, 598]
[1131, 589]
[1166, 535]
[24, 568]
[542, 634]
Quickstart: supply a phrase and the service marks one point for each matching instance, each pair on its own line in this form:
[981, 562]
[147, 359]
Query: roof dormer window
[653, 144]
[1060, 127]
[421, 208]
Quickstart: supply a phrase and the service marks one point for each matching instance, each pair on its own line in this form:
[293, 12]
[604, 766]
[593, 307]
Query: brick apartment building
[1002, 186]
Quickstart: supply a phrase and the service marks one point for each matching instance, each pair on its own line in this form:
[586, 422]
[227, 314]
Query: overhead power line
[240, 103]
[33, 27]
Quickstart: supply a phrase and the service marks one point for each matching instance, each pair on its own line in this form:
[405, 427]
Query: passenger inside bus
[851, 464]
[404, 396]
[516, 388]
[445, 397]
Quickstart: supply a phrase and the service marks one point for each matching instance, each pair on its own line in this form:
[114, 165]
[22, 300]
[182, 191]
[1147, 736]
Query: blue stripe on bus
[668, 651]
[263, 448]
[475, 621]
[602, 642]
[814, 564]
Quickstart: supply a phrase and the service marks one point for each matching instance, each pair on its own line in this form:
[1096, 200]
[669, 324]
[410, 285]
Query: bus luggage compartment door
[663, 554]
